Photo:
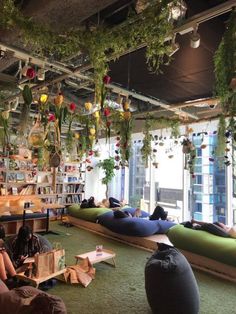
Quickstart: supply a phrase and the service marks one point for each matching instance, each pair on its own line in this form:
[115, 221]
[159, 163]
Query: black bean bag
[170, 283]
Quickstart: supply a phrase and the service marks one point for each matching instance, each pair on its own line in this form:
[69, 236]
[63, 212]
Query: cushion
[203, 243]
[131, 210]
[89, 214]
[170, 283]
[20, 217]
[132, 226]
[26, 300]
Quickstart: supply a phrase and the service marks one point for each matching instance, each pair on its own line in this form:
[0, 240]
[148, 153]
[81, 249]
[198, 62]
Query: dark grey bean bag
[170, 283]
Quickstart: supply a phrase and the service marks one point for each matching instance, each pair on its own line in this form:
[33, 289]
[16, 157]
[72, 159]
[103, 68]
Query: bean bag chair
[88, 214]
[27, 300]
[132, 226]
[203, 243]
[170, 283]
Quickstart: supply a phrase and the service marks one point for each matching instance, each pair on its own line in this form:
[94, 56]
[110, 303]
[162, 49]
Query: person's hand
[23, 257]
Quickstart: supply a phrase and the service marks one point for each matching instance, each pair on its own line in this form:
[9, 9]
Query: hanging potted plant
[108, 166]
[146, 149]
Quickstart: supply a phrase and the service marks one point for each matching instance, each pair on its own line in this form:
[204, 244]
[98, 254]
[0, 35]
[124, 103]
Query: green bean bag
[203, 243]
[89, 214]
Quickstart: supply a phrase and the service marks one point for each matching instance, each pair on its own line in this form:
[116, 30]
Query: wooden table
[36, 281]
[94, 258]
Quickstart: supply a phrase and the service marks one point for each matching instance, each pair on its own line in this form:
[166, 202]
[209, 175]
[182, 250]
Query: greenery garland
[221, 145]
[146, 149]
[151, 27]
[225, 67]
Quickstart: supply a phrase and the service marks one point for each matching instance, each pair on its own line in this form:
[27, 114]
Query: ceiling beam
[152, 101]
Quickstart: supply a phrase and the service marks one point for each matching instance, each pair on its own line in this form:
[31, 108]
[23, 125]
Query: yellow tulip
[43, 99]
[88, 106]
[5, 115]
[77, 136]
[96, 114]
[92, 131]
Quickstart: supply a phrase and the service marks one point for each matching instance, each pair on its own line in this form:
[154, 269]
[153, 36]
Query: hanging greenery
[151, 27]
[221, 145]
[146, 149]
[225, 67]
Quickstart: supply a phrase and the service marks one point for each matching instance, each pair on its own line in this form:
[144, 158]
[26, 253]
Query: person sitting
[159, 213]
[25, 244]
[6, 267]
[216, 228]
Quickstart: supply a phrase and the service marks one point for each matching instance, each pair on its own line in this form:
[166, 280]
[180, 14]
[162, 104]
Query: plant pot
[54, 159]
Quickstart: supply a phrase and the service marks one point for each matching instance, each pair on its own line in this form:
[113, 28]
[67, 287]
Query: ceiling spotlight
[177, 10]
[195, 38]
[174, 46]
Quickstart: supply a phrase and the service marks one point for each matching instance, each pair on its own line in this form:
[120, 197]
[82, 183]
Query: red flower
[72, 106]
[30, 73]
[106, 79]
[90, 153]
[51, 117]
[107, 112]
[117, 144]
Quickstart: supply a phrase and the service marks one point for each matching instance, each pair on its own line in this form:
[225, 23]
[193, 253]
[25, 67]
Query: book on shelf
[14, 190]
[4, 191]
[28, 190]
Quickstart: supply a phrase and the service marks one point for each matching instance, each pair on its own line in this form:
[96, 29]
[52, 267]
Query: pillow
[170, 283]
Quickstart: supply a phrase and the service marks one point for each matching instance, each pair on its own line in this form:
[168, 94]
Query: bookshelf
[73, 181]
[21, 181]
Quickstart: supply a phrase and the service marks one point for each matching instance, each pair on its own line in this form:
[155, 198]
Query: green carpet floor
[121, 289]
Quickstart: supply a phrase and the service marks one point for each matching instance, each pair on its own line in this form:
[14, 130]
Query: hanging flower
[30, 73]
[72, 107]
[107, 112]
[88, 106]
[51, 117]
[92, 131]
[106, 79]
[5, 114]
[77, 135]
[58, 100]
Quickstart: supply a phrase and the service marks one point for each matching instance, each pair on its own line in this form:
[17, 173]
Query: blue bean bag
[134, 226]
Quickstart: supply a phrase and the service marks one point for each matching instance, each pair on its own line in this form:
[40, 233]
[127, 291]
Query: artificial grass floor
[121, 289]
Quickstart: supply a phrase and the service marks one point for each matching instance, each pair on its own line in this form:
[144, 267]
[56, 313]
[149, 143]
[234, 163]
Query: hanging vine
[225, 67]
[151, 27]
